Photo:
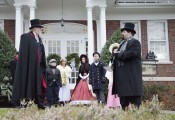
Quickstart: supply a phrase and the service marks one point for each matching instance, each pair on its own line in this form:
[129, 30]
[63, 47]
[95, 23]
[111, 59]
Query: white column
[22, 21]
[90, 34]
[98, 36]
[18, 26]
[32, 11]
[102, 26]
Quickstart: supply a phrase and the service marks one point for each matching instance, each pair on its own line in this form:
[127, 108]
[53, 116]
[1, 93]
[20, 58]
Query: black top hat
[130, 27]
[35, 23]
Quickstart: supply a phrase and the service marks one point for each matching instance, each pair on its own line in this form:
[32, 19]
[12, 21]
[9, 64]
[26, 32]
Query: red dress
[82, 92]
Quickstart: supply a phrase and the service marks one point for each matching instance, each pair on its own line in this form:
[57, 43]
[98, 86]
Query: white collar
[96, 63]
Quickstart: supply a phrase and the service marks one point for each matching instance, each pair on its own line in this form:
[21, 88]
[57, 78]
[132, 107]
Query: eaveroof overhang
[144, 3]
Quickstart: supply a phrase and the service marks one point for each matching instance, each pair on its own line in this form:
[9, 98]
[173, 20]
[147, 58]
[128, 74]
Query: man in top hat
[128, 69]
[31, 65]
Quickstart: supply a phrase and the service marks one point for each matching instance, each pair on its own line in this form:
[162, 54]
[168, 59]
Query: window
[158, 39]
[137, 28]
[54, 47]
[1, 25]
[72, 46]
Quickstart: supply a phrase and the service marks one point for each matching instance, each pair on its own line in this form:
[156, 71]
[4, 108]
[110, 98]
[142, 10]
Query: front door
[63, 45]
[72, 38]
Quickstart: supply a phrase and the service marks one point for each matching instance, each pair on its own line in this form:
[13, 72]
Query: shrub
[7, 53]
[54, 56]
[105, 54]
[165, 93]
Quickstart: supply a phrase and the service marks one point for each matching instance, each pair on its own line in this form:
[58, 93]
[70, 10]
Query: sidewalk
[168, 112]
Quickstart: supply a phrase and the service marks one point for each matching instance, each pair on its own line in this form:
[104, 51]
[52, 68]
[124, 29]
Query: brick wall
[111, 27]
[144, 38]
[9, 28]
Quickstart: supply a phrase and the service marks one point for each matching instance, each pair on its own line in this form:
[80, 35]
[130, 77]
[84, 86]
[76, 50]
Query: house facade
[88, 24]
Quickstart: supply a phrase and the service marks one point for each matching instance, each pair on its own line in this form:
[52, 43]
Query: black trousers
[126, 100]
[52, 94]
[100, 95]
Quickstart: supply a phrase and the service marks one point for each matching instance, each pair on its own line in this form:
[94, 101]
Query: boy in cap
[54, 83]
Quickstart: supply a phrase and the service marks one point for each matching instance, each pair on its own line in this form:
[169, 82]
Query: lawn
[150, 110]
[81, 112]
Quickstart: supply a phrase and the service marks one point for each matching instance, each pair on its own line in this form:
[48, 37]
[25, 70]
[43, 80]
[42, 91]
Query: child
[97, 77]
[81, 92]
[64, 93]
[113, 101]
[54, 83]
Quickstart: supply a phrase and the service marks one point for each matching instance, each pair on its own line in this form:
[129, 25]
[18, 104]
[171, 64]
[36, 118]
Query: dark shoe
[18, 107]
[42, 106]
[56, 105]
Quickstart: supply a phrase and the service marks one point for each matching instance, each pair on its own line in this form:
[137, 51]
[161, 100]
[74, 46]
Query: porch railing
[73, 79]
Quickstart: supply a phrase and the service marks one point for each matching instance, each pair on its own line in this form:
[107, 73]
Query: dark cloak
[29, 69]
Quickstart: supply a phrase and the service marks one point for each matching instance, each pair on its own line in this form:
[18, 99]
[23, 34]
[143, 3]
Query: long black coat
[28, 75]
[97, 76]
[128, 70]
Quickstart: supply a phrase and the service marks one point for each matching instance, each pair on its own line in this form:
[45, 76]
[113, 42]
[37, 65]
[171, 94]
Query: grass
[75, 111]
[150, 110]
[3, 111]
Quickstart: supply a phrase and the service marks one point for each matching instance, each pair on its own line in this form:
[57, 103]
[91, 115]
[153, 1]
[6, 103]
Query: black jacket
[52, 78]
[97, 75]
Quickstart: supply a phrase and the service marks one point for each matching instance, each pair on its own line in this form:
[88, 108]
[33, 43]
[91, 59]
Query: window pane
[54, 43]
[156, 31]
[49, 43]
[77, 43]
[77, 50]
[72, 49]
[68, 50]
[157, 41]
[159, 48]
[58, 49]
[50, 49]
[68, 43]
[72, 43]
[54, 49]
[58, 43]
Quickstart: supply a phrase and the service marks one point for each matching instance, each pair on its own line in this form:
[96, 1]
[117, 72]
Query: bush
[54, 56]
[73, 56]
[105, 54]
[165, 93]
[7, 53]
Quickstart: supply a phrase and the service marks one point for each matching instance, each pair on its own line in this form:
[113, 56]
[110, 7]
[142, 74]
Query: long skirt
[82, 92]
[113, 101]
